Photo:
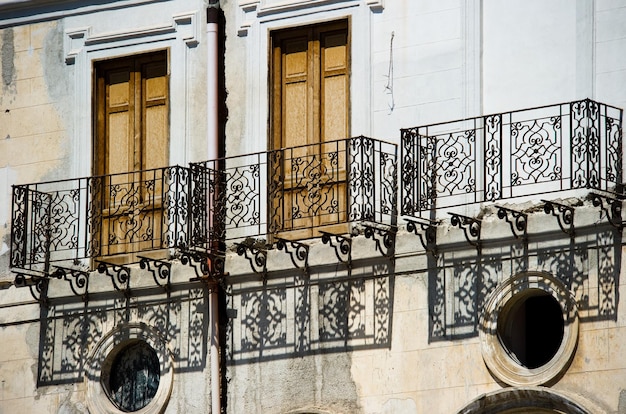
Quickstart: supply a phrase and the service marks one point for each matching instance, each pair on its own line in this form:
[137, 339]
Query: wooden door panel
[335, 120]
[155, 115]
[155, 107]
[335, 51]
[295, 115]
[119, 157]
[119, 136]
[296, 58]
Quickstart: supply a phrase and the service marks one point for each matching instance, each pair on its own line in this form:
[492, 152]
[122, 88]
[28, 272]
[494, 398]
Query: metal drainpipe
[212, 147]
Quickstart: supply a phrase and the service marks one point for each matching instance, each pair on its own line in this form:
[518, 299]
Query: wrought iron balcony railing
[293, 193]
[523, 153]
[63, 222]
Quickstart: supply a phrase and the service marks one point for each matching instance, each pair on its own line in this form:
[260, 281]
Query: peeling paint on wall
[621, 407]
[53, 60]
[8, 55]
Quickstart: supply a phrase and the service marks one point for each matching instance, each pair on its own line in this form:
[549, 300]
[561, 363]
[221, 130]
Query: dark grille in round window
[134, 377]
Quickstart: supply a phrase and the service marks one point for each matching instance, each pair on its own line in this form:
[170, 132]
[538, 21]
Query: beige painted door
[310, 112]
[131, 140]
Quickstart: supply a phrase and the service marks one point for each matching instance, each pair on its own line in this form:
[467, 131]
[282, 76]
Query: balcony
[302, 192]
[112, 218]
[293, 193]
[569, 146]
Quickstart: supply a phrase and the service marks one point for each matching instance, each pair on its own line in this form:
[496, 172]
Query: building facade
[312, 206]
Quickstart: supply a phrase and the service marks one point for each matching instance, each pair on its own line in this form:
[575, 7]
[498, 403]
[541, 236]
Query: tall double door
[131, 146]
[309, 124]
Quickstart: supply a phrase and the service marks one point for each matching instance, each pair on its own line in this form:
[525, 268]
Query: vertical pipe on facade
[212, 147]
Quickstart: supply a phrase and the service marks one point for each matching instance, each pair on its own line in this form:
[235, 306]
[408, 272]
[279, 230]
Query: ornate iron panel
[521, 153]
[62, 222]
[306, 187]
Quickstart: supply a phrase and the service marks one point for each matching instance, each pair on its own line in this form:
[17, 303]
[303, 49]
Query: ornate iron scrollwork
[160, 270]
[385, 239]
[120, 275]
[78, 280]
[427, 233]
[517, 220]
[611, 207]
[198, 261]
[564, 215]
[514, 154]
[256, 253]
[470, 227]
[341, 244]
[37, 285]
[207, 266]
[298, 252]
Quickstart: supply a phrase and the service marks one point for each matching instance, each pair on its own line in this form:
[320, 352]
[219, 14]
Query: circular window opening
[531, 328]
[134, 377]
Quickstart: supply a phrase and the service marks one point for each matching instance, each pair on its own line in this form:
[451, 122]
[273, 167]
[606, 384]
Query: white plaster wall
[538, 53]
[35, 101]
[428, 74]
[529, 54]
[448, 60]
[610, 40]
[424, 82]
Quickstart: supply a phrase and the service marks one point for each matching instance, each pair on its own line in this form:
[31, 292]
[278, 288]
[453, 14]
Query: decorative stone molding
[524, 400]
[103, 355]
[514, 290]
[74, 41]
[376, 5]
[87, 43]
[185, 26]
[250, 10]
[22, 12]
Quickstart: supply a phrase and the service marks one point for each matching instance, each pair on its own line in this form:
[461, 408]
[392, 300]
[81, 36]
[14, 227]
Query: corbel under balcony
[563, 213]
[426, 230]
[611, 208]
[518, 221]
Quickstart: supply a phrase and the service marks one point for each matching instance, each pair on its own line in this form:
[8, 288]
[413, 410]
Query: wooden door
[310, 113]
[131, 143]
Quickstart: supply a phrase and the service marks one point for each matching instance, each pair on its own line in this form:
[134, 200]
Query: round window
[134, 377]
[529, 329]
[129, 370]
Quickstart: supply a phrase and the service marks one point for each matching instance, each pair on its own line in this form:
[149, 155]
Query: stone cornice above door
[250, 10]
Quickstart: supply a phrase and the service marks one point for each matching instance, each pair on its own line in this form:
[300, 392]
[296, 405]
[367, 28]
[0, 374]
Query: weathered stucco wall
[416, 63]
[46, 66]
[406, 337]
[35, 116]
[368, 334]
